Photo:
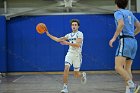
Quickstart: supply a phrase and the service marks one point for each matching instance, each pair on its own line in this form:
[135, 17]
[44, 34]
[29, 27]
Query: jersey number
[130, 19]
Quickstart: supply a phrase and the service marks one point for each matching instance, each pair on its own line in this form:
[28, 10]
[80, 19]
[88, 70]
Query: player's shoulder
[118, 13]
[121, 11]
[69, 33]
[130, 12]
[79, 32]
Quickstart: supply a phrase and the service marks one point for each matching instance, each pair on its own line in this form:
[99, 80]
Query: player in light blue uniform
[125, 22]
[128, 44]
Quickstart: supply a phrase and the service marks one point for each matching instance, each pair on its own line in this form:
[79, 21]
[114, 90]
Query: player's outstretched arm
[137, 30]
[56, 38]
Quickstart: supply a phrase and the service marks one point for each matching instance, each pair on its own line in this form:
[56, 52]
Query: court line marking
[18, 79]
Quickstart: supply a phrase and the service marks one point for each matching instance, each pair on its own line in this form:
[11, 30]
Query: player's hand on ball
[46, 29]
[41, 28]
[47, 32]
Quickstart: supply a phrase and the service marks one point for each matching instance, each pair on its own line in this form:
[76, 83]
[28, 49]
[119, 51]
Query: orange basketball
[41, 28]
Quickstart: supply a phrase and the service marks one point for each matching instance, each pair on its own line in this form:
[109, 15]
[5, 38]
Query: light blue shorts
[127, 48]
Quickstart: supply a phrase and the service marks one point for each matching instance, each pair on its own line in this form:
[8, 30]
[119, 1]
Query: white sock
[65, 85]
[127, 89]
[130, 83]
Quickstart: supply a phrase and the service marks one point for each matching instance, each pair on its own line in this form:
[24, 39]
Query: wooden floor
[50, 83]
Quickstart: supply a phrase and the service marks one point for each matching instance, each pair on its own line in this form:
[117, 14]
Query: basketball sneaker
[83, 78]
[132, 89]
[65, 89]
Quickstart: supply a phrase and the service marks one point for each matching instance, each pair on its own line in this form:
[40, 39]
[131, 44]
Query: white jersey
[72, 39]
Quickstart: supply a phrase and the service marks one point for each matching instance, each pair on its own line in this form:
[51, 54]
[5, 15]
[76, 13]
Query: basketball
[41, 28]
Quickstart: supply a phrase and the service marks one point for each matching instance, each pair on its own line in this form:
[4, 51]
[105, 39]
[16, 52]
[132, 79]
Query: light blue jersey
[129, 21]
[127, 43]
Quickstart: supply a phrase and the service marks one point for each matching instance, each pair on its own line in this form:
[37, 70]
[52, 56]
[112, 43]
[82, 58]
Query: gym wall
[29, 51]
[3, 61]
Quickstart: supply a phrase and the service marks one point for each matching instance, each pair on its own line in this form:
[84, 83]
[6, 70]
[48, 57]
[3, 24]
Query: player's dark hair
[75, 20]
[121, 3]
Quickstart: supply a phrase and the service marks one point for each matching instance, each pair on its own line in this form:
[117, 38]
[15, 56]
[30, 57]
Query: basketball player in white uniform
[74, 56]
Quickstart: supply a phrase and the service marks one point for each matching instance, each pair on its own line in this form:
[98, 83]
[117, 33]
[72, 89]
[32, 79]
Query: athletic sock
[65, 85]
[130, 83]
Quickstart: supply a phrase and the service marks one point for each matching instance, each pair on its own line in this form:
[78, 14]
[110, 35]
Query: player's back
[128, 19]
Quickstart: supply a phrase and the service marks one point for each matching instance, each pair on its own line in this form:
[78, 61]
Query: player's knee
[65, 75]
[117, 68]
[66, 68]
[128, 69]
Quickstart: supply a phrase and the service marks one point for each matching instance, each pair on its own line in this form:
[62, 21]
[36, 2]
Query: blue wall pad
[30, 51]
[3, 62]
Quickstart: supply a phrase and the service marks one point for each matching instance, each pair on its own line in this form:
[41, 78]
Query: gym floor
[50, 83]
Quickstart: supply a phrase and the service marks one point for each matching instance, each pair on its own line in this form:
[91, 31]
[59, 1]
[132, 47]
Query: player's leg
[77, 64]
[65, 79]
[82, 76]
[126, 48]
[127, 67]
[68, 63]
[119, 63]
[66, 74]
[77, 74]
[119, 67]
[133, 49]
